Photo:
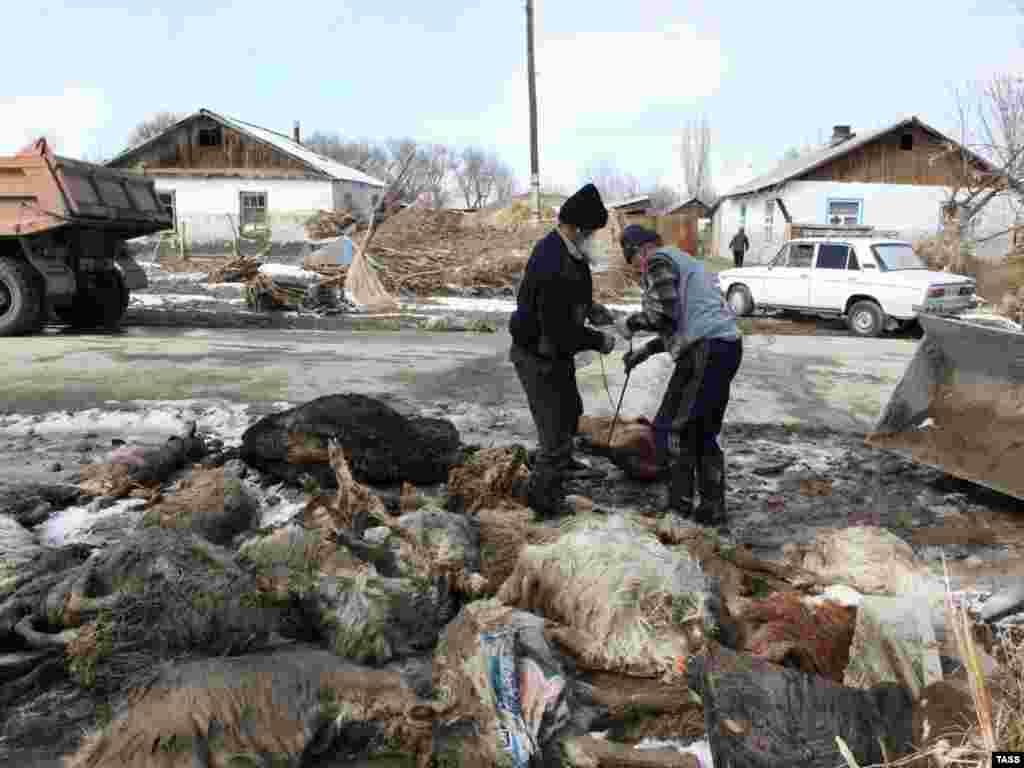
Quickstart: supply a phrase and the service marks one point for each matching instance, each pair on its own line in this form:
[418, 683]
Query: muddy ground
[797, 461]
[794, 435]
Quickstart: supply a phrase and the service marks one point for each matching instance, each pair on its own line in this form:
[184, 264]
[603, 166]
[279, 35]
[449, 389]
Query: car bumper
[949, 306]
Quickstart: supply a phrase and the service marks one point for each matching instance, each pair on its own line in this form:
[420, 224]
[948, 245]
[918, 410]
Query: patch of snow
[139, 419]
[90, 524]
[288, 270]
[159, 299]
[176, 277]
[625, 307]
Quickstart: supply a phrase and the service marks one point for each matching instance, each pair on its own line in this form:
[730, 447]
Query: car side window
[802, 255]
[853, 263]
[780, 259]
[832, 256]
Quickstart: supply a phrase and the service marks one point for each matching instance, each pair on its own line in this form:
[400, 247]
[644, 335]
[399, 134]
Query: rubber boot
[711, 478]
[681, 487]
[546, 494]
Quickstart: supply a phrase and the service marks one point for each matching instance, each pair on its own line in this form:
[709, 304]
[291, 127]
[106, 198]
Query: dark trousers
[690, 418]
[555, 404]
[737, 258]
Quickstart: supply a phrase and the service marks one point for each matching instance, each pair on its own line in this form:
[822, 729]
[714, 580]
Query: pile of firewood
[240, 270]
[325, 224]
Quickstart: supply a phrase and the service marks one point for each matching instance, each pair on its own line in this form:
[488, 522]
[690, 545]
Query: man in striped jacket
[683, 305]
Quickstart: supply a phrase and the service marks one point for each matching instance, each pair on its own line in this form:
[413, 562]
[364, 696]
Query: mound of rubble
[445, 626]
[418, 252]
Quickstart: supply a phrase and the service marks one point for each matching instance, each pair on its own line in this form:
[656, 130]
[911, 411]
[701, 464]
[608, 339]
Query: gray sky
[615, 80]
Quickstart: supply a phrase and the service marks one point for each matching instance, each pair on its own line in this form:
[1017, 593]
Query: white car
[876, 284]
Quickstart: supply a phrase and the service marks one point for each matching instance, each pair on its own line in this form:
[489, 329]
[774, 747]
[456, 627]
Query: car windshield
[897, 256]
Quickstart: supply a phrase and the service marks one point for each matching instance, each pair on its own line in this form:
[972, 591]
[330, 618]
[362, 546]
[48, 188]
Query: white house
[894, 178]
[217, 173]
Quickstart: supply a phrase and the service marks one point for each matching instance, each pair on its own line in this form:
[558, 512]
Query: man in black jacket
[739, 245]
[548, 328]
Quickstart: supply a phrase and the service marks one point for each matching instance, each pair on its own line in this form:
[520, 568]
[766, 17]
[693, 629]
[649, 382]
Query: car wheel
[740, 300]
[865, 318]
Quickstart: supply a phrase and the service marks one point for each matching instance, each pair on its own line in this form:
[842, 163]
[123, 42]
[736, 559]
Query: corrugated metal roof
[279, 141]
[629, 201]
[790, 169]
[683, 204]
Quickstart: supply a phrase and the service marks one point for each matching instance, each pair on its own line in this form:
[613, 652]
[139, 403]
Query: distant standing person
[740, 245]
[548, 327]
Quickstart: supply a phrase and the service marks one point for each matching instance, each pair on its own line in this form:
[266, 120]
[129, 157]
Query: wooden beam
[258, 173]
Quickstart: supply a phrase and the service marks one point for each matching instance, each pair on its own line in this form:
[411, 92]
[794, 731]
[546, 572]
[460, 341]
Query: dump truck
[960, 404]
[63, 226]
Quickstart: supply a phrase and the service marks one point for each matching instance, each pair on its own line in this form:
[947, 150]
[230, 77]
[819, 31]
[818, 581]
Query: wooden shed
[679, 225]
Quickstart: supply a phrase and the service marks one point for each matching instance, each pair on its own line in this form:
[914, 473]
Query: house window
[907, 141]
[769, 218]
[743, 214]
[169, 204]
[210, 137]
[844, 213]
[254, 208]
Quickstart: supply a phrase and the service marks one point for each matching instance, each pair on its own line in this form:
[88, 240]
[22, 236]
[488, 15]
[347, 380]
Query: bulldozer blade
[960, 405]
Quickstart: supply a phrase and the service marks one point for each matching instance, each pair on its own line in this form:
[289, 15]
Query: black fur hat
[584, 209]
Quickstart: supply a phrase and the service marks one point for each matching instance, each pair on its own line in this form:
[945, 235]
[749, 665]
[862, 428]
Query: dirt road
[799, 409]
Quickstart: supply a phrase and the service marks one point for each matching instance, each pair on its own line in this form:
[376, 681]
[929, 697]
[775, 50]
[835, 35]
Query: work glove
[623, 329]
[634, 357]
[608, 343]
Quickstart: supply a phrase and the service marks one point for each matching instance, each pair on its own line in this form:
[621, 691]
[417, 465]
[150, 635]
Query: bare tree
[505, 184]
[988, 161]
[476, 176]
[612, 182]
[695, 157]
[152, 126]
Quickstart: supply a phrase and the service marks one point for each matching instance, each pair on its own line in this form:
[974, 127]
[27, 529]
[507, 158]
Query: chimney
[840, 133]
[296, 134]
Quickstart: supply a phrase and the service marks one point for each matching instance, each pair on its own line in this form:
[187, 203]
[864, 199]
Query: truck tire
[101, 304]
[20, 300]
[740, 300]
[866, 319]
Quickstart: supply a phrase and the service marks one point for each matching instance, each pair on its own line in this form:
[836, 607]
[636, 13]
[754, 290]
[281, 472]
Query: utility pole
[532, 76]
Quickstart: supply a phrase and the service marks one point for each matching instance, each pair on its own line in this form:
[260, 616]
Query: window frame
[859, 201]
[817, 256]
[207, 130]
[242, 196]
[783, 251]
[173, 194]
[853, 259]
[814, 254]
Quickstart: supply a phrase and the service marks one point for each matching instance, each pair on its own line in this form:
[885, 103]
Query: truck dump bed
[41, 191]
[960, 405]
